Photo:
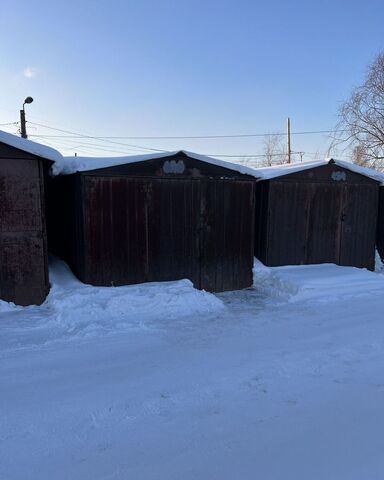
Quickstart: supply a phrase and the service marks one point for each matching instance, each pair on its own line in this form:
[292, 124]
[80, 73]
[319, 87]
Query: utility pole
[23, 128]
[289, 138]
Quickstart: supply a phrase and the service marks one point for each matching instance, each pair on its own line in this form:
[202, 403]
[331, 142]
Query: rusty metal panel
[21, 204]
[359, 221]
[23, 278]
[23, 252]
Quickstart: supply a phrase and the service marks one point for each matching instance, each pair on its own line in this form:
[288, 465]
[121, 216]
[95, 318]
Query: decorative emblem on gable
[173, 166]
[339, 176]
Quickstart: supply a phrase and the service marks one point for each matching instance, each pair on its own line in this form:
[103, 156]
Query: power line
[9, 123]
[140, 149]
[79, 135]
[176, 137]
[89, 147]
[250, 155]
[93, 144]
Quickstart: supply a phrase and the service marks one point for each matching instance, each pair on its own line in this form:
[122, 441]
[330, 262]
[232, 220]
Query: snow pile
[90, 308]
[9, 307]
[74, 309]
[269, 282]
[320, 283]
[379, 265]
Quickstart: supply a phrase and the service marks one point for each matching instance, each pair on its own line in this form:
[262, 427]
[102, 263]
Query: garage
[152, 218]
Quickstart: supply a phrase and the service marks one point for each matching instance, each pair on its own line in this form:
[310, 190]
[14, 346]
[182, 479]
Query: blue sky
[149, 68]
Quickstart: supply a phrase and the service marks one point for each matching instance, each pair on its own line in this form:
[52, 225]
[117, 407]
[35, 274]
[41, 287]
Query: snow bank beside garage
[320, 283]
[75, 309]
[78, 305]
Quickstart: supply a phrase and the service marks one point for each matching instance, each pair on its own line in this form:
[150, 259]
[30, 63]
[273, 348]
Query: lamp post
[23, 129]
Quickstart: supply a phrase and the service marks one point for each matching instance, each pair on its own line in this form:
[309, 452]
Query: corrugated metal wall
[312, 219]
[139, 230]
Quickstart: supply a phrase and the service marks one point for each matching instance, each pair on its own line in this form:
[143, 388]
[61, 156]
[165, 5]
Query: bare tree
[360, 157]
[274, 151]
[361, 123]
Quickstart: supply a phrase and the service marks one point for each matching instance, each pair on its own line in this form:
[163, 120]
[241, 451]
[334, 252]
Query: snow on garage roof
[267, 173]
[31, 147]
[69, 165]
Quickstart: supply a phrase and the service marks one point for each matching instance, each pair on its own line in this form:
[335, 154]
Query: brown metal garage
[23, 242]
[155, 218]
[316, 212]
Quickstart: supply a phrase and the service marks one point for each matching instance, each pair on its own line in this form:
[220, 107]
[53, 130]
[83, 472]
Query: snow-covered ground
[160, 381]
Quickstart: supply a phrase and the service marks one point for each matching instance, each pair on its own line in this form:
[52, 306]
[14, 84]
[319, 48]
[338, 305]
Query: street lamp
[23, 129]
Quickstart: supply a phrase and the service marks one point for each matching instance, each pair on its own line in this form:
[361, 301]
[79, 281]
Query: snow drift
[76, 308]
[75, 303]
[321, 283]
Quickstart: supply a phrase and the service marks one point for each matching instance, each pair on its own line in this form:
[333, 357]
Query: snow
[320, 283]
[70, 165]
[280, 381]
[379, 265]
[74, 309]
[267, 173]
[31, 147]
